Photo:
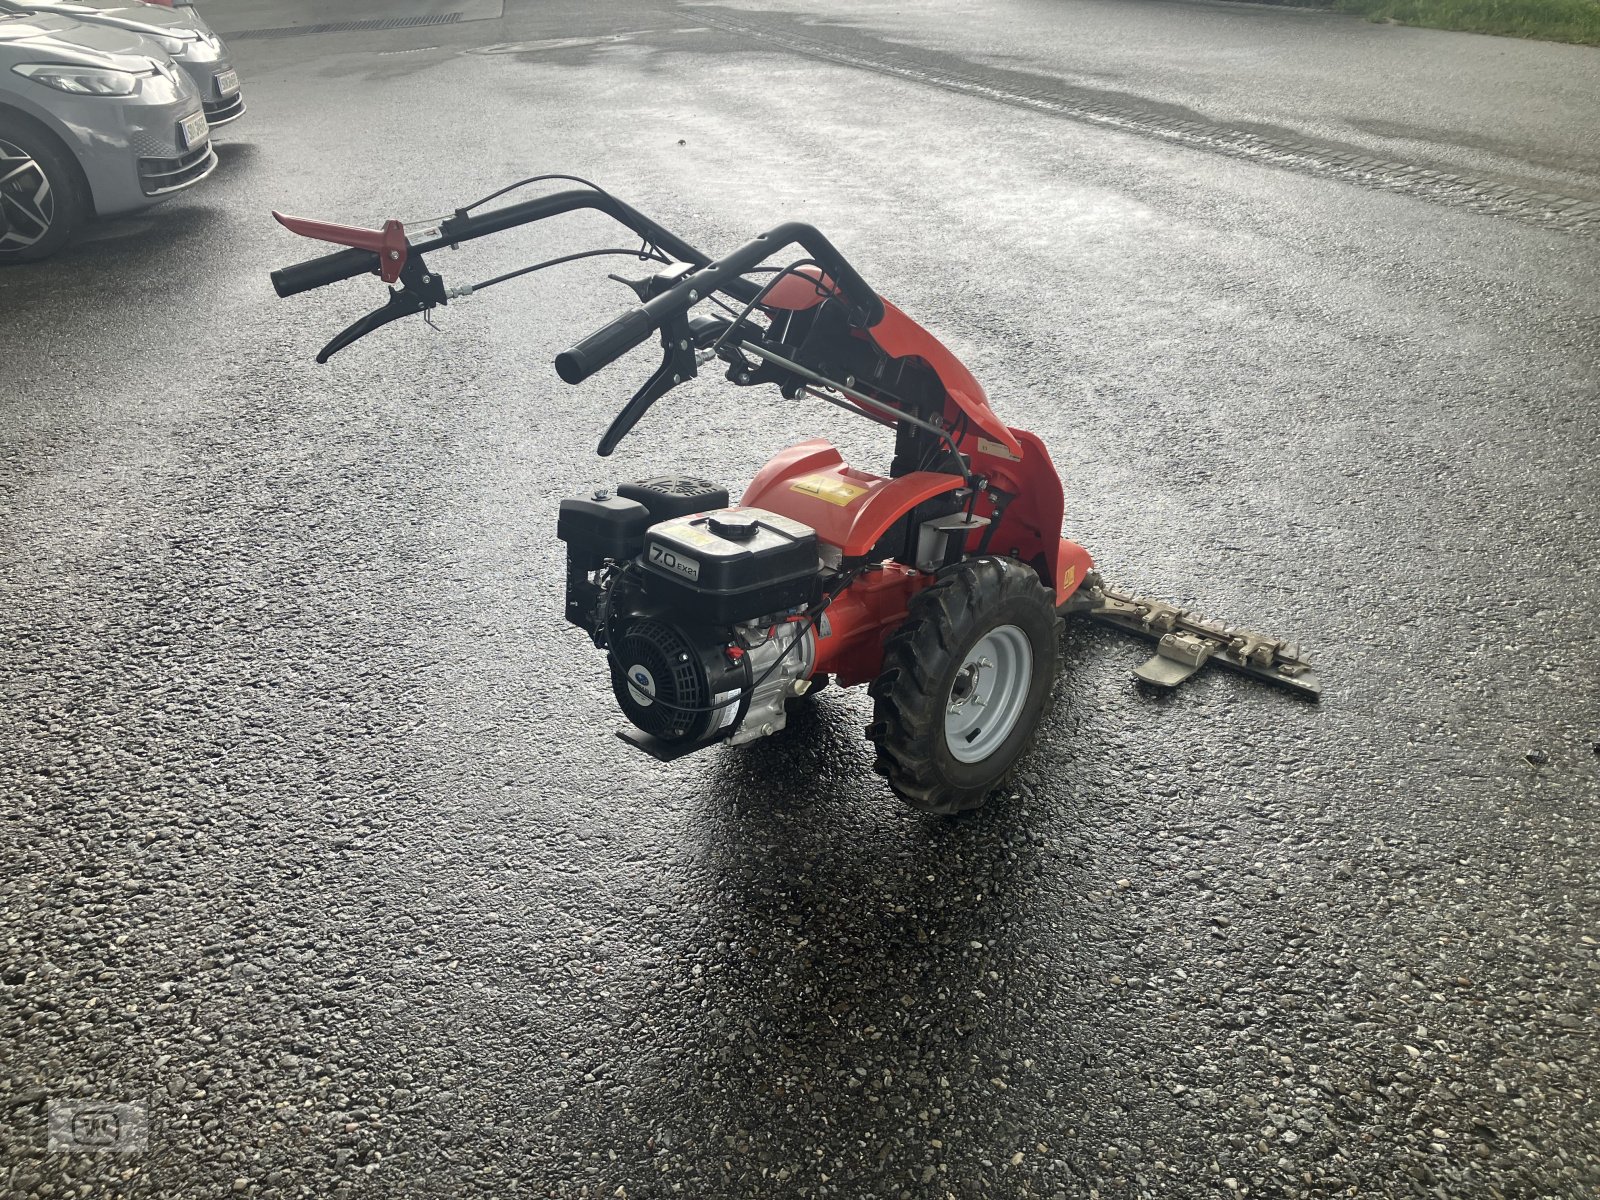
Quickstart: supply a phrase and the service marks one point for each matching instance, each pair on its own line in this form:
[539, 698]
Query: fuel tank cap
[734, 528]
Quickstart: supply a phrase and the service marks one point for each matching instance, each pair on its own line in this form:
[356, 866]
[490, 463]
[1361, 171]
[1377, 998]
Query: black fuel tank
[732, 565]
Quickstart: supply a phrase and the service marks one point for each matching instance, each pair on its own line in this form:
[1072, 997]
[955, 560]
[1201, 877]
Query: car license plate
[194, 130]
[227, 83]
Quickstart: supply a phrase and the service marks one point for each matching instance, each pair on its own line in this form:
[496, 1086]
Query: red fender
[848, 508]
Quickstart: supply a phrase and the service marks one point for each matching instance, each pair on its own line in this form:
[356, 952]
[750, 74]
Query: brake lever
[421, 291]
[401, 304]
[677, 364]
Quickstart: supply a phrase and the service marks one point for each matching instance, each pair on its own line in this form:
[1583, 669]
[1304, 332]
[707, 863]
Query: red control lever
[388, 243]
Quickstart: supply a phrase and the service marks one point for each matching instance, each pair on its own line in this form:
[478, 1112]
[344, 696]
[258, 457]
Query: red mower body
[855, 510]
[939, 583]
[1013, 461]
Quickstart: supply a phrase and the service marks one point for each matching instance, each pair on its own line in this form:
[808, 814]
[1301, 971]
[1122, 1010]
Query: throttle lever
[640, 287]
[678, 363]
[652, 286]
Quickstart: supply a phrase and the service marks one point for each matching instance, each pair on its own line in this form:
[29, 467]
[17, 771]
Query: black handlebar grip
[604, 346]
[318, 272]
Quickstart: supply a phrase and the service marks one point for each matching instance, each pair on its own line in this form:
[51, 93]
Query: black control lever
[677, 364]
[401, 304]
[421, 290]
[641, 287]
[654, 285]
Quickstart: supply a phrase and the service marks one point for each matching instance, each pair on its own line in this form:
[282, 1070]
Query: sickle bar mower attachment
[1186, 641]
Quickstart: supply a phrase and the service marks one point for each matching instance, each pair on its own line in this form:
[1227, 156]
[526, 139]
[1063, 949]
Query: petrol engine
[706, 612]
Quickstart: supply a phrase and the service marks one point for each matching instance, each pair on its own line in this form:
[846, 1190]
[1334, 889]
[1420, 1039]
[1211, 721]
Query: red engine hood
[898, 336]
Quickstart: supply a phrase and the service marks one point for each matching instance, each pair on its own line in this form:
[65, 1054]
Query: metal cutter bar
[1186, 641]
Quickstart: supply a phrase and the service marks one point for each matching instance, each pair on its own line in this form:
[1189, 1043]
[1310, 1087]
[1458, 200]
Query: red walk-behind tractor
[941, 585]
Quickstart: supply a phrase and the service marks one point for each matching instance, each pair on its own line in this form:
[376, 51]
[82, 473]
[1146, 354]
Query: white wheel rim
[25, 195]
[988, 694]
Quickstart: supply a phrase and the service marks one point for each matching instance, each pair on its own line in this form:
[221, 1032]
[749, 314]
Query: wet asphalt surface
[317, 838]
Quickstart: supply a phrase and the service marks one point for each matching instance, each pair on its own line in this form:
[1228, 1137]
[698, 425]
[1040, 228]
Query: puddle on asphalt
[572, 43]
[597, 41]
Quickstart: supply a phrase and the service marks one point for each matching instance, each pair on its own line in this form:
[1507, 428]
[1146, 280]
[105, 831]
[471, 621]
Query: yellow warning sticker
[829, 489]
[1069, 576]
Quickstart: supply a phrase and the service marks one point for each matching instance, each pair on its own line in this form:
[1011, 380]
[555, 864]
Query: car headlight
[173, 46]
[202, 48]
[81, 81]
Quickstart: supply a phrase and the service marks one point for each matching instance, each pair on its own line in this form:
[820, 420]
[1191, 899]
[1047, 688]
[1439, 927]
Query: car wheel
[41, 198]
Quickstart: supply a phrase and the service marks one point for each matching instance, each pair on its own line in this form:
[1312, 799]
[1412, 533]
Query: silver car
[183, 34]
[93, 120]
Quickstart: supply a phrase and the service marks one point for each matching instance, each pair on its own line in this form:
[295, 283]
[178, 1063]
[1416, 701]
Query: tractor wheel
[965, 683]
